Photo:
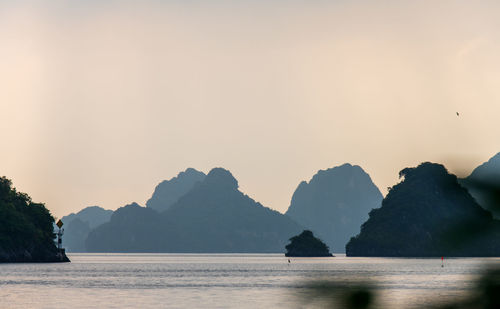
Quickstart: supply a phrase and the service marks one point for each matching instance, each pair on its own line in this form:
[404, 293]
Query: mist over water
[228, 280]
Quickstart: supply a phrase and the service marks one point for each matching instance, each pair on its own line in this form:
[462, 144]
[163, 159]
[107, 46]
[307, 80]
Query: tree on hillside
[26, 228]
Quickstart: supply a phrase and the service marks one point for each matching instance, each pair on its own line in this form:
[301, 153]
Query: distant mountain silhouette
[219, 218]
[75, 234]
[214, 216]
[427, 214]
[306, 245]
[169, 191]
[93, 215]
[132, 228]
[78, 225]
[335, 203]
[484, 185]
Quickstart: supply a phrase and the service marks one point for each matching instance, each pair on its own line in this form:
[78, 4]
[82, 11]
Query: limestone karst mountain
[78, 225]
[427, 214]
[484, 185]
[334, 204]
[214, 216]
[169, 191]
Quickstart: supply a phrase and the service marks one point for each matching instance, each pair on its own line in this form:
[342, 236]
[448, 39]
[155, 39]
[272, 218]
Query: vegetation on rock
[427, 214]
[306, 245]
[26, 228]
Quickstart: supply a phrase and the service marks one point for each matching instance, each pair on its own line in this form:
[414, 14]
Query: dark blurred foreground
[331, 294]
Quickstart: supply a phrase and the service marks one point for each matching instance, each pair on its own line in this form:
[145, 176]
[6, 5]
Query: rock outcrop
[26, 229]
[306, 245]
[428, 214]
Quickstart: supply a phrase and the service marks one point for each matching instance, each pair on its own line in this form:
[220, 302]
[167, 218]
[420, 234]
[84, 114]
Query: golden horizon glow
[100, 101]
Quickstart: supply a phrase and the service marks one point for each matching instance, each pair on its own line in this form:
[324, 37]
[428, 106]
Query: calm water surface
[226, 280]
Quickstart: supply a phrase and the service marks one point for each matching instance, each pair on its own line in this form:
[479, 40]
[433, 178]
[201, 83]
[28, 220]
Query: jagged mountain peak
[221, 177]
[489, 169]
[169, 191]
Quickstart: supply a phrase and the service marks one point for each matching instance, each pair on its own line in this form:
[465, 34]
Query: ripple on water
[225, 280]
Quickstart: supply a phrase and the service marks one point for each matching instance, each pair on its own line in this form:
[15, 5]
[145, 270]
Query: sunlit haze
[102, 100]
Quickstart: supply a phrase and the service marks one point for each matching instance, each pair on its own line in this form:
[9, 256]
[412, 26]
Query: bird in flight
[458, 114]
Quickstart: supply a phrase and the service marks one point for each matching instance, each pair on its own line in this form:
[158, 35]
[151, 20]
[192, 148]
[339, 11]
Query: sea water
[229, 281]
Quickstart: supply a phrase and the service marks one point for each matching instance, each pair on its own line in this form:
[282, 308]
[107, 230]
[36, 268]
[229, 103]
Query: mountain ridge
[213, 217]
[169, 191]
[78, 225]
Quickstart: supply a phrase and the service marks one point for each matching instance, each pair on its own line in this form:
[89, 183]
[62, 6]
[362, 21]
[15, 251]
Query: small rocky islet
[306, 245]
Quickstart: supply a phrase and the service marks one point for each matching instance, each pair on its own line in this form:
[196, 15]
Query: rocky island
[428, 214]
[306, 245]
[26, 229]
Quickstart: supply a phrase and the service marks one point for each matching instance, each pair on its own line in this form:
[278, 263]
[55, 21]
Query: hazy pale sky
[102, 100]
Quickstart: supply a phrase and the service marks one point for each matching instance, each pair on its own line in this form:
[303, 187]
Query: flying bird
[458, 114]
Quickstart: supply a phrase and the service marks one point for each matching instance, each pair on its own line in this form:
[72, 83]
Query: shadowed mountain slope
[335, 203]
[132, 228]
[427, 214]
[169, 191]
[214, 216]
[78, 225]
[93, 215]
[484, 185]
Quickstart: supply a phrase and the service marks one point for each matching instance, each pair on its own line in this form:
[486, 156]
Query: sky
[102, 100]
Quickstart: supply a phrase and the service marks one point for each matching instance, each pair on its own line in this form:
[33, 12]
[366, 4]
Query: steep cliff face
[26, 228]
[484, 185]
[31, 255]
[334, 204]
[427, 214]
